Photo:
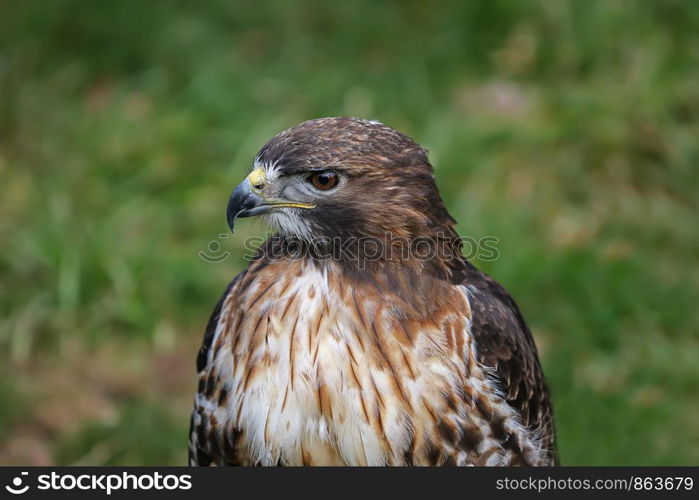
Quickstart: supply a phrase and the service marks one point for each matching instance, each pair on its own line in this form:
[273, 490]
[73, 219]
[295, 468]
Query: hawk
[358, 334]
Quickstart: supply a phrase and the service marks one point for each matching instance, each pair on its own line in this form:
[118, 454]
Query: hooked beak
[247, 201]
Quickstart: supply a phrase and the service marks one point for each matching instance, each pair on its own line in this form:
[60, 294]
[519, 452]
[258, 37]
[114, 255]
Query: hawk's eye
[323, 180]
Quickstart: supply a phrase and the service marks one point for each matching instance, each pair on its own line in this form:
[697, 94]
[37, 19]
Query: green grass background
[568, 130]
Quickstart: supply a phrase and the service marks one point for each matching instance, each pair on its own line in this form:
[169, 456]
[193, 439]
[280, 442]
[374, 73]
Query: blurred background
[568, 130]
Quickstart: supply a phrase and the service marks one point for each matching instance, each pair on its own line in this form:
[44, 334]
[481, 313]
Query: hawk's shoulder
[210, 330]
[505, 343]
[200, 453]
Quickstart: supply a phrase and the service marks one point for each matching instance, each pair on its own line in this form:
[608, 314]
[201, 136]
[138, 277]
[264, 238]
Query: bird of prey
[359, 334]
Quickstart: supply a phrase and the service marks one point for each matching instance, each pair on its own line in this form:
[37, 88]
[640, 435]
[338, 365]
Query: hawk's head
[331, 179]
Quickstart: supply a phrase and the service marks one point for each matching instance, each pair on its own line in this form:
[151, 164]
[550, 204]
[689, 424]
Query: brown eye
[324, 180]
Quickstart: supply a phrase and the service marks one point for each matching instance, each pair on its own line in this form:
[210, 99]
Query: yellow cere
[257, 178]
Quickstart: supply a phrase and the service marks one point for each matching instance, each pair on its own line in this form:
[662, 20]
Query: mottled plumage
[330, 351]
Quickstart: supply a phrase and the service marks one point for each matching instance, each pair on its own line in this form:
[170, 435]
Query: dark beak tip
[241, 201]
[231, 224]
